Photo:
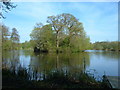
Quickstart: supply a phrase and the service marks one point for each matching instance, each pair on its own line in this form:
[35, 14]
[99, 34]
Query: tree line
[106, 45]
[103, 45]
[62, 33]
[10, 40]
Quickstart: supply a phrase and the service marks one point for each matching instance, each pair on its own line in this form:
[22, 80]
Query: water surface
[96, 62]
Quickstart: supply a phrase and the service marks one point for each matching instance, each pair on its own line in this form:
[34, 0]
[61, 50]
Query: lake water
[95, 62]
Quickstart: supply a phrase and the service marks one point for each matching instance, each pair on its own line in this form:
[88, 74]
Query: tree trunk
[57, 41]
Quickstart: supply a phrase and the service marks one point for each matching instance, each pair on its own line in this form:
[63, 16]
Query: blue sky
[100, 19]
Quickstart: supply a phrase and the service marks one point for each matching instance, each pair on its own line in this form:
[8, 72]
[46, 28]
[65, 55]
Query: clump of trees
[27, 45]
[105, 45]
[10, 40]
[62, 32]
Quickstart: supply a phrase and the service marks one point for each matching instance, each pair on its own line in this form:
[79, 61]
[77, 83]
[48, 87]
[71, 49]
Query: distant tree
[15, 38]
[5, 42]
[8, 40]
[106, 45]
[5, 33]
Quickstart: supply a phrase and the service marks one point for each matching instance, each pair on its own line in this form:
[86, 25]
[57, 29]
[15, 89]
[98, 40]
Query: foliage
[14, 38]
[9, 40]
[43, 37]
[113, 46]
[62, 31]
[27, 45]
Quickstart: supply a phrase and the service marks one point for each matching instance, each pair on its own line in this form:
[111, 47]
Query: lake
[94, 62]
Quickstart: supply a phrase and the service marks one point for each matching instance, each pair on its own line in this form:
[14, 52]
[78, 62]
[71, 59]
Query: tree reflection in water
[42, 65]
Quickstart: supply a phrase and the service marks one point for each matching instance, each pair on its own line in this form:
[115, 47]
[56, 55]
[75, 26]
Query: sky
[100, 19]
